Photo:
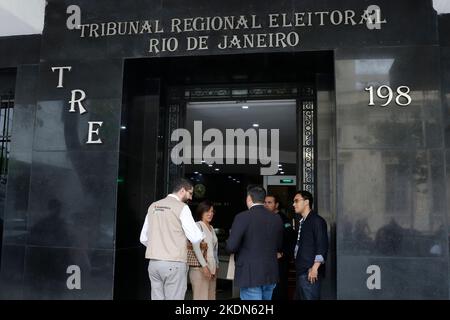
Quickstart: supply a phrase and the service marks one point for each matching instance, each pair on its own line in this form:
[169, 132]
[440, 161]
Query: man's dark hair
[275, 198]
[307, 196]
[257, 193]
[202, 207]
[181, 183]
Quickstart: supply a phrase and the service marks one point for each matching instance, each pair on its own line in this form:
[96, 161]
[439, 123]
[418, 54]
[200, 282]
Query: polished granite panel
[7, 82]
[19, 164]
[391, 182]
[47, 275]
[443, 29]
[24, 108]
[400, 278]
[73, 199]
[332, 33]
[326, 172]
[99, 78]
[57, 129]
[11, 276]
[418, 125]
[131, 281]
[104, 11]
[138, 154]
[390, 177]
[445, 77]
[447, 152]
[398, 208]
[18, 50]
[134, 190]
[17, 201]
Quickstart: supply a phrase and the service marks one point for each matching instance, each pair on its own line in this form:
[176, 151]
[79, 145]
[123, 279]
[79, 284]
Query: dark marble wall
[19, 171]
[137, 183]
[73, 186]
[402, 17]
[7, 87]
[326, 173]
[18, 50]
[7, 81]
[61, 200]
[387, 190]
[444, 29]
[391, 203]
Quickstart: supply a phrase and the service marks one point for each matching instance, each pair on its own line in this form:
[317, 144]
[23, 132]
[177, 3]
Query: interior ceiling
[268, 114]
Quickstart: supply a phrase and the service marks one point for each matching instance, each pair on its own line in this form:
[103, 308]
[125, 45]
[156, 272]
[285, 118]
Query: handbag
[231, 268]
[192, 260]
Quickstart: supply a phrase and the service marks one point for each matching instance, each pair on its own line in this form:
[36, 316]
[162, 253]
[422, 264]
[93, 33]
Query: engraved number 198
[402, 98]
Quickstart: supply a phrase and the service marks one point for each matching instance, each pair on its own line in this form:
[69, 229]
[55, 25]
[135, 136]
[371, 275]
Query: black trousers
[281, 290]
[306, 290]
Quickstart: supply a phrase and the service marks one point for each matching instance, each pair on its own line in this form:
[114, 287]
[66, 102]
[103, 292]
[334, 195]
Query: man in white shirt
[167, 225]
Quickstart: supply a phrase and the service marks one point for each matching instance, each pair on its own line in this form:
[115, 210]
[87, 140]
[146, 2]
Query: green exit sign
[287, 181]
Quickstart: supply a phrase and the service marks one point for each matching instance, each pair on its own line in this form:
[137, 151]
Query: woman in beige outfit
[203, 279]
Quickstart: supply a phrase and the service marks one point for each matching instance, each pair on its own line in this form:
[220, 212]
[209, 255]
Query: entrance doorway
[223, 178]
[226, 178]
[256, 94]
[272, 124]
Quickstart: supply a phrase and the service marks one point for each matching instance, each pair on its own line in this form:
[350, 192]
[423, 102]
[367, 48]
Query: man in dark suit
[289, 236]
[311, 248]
[255, 238]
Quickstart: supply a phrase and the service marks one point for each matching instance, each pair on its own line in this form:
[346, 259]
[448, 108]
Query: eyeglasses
[298, 200]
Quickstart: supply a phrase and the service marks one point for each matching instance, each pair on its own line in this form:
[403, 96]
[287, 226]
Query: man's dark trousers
[306, 290]
[281, 290]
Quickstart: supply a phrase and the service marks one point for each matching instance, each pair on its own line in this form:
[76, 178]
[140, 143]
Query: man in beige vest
[167, 225]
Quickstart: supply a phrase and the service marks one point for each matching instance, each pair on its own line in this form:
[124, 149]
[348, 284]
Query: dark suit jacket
[289, 237]
[255, 238]
[313, 242]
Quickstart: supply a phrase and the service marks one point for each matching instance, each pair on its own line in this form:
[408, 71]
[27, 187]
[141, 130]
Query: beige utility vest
[166, 238]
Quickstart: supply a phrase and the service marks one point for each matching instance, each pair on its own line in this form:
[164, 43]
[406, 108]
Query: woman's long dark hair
[202, 207]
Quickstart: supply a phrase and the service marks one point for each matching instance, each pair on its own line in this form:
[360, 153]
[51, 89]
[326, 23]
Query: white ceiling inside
[22, 17]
